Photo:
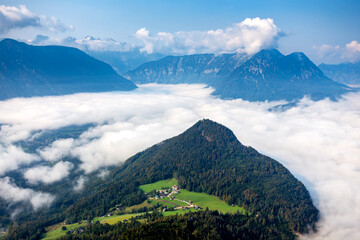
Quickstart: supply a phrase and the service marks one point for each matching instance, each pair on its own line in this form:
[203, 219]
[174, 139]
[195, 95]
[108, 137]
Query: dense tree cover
[205, 158]
[194, 225]
[208, 158]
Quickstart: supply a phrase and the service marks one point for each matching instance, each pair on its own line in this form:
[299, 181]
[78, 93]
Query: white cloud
[88, 43]
[348, 53]
[12, 17]
[58, 149]
[317, 141]
[16, 17]
[250, 36]
[97, 44]
[46, 174]
[54, 25]
[12, 157]
[80, 182]
[353, 51]
[14, 194]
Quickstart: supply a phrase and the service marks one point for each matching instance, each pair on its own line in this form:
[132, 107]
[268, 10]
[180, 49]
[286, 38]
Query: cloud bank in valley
[317, 141]
[14, 194]
[47, 174]
[12, 157]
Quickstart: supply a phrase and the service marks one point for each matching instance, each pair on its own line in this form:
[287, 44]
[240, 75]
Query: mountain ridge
[27, 70]
[345, 73]
[200, 68]
[267, 75]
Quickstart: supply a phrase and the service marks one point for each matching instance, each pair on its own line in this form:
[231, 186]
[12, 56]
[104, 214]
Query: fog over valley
[318, 141]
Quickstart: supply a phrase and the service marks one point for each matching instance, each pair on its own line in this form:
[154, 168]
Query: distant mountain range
[268, 75]
[27, 71]
[122, 62]
[346, 73]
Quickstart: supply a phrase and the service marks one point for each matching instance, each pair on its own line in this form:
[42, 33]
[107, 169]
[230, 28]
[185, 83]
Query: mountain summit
[270, 75]
[27, 71]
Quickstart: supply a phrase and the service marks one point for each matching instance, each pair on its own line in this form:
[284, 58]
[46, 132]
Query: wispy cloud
[16, 17]
[250, 36]
[12, 17]
[87, 43]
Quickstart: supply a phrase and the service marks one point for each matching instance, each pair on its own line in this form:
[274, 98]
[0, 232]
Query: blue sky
[319, 28]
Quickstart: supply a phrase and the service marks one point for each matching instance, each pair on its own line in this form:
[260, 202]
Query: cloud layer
[348, 53]
[317, 141]
[14, 194]
[250, 36]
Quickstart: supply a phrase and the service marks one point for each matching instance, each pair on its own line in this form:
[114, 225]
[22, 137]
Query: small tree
[63, 228]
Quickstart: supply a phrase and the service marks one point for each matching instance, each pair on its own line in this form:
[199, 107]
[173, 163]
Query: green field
[116, 218]
[57, 232]
[178, 212]
[159, 185]
[141, 205]
[205, 200]
[181, 204]
[201, 199]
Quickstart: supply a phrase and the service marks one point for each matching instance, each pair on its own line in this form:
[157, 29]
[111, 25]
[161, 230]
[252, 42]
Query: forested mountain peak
[208, 158]
[205, 158]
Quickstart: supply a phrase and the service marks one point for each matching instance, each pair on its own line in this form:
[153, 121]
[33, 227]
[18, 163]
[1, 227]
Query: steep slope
[198, 68]
[345, 73]
[269, 75]
[27, 71]
[208, 158]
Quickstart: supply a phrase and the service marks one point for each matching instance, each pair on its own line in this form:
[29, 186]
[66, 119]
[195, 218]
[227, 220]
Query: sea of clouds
[317, 141]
